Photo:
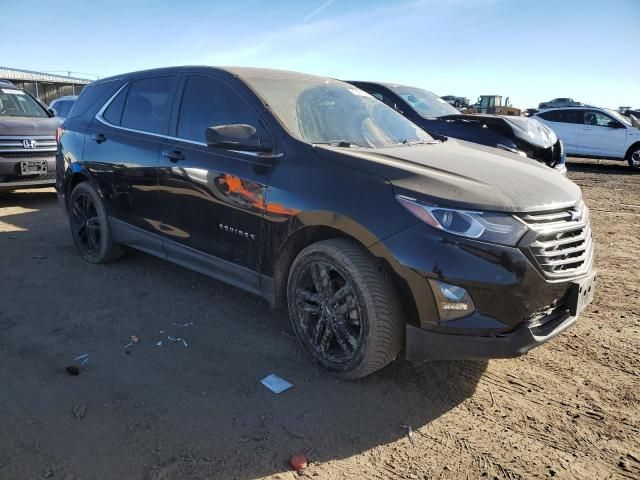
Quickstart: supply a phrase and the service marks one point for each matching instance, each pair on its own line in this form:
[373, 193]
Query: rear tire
[344, 309]
[90, 227]
[633, 157]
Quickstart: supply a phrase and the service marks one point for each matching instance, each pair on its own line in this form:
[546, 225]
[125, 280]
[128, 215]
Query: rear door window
[113, 113]
[208, 102]
[148, 104]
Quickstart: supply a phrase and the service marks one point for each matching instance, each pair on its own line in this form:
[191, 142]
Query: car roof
[242, 72]
[7, 83]
[568, 107]
[383, 84]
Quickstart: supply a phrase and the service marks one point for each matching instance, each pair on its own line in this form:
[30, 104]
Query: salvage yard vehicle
[27, 140]
[313, 194]
[457, 102]
[62, 105]
[595, 133]
[519, 135]
[559, 102]
[493, 104]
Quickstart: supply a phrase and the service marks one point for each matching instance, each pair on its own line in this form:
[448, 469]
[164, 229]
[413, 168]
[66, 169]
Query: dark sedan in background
[520, 135]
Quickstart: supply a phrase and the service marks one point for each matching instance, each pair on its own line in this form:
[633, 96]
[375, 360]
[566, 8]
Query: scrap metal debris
[83, 360]
[79, 411]
[177, 339]
[134, 340]
[409, 430]
[181, 325]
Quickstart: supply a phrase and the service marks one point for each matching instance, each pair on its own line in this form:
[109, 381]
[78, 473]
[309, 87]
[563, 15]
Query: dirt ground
[569, 409]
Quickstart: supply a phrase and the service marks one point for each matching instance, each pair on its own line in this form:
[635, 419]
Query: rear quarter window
[93, 95]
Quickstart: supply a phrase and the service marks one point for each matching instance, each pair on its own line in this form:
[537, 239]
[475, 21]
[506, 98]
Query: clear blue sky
[530, 50]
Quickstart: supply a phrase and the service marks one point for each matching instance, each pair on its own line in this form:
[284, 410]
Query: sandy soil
[567, 410]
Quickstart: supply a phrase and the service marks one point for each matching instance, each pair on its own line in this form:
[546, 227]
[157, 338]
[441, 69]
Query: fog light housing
[453, 302]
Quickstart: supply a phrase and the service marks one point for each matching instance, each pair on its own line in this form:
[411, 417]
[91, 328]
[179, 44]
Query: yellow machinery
[493, 104]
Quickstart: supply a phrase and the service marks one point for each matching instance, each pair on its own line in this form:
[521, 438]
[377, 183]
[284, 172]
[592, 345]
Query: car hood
[526, 129]
[464, 175]
[26, 126]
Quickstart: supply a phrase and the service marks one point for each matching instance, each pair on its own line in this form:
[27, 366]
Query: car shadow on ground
[166, 409]
[600, 166]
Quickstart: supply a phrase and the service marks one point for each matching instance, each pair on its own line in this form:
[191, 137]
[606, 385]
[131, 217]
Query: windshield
[620, 118]
[427, 104]
[16, 103]
[318, 110]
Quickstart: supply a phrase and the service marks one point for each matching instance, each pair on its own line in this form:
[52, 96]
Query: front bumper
[12, 179]
[517, 307]
[431, 345]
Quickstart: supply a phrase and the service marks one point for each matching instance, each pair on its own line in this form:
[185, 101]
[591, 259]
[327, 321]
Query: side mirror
[239, 137]
[614, 124]
[53, 112]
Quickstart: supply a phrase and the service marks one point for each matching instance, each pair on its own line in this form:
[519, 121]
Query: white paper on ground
[275, 383]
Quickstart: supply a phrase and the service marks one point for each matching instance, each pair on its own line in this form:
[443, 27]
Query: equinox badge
[237, 231]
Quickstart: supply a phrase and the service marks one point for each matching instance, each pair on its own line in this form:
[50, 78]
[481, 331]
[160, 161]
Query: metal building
[45, 86]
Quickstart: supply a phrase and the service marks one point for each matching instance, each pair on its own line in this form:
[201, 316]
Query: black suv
[313, 194]
[27, 140]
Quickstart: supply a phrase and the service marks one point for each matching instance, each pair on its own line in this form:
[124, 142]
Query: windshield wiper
[418, 142]
[340, 143]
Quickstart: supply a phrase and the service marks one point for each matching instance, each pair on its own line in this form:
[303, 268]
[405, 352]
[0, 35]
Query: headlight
[485, 226]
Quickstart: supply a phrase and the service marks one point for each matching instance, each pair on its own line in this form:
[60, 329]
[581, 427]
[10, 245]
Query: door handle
[98, 137]
[173, 155]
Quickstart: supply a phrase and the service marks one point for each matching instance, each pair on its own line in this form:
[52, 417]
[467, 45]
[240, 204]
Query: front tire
[633, 157]
[344, 309]
[90, 226]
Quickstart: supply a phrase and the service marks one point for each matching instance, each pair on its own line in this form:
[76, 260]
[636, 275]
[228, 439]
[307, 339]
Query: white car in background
[594, 132]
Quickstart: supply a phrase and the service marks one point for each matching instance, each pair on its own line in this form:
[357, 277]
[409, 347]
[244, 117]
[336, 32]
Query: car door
[601, 135]
[565, 123]
[121, 152]
[213, 199]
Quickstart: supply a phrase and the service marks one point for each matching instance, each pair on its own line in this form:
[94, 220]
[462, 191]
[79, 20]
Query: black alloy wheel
[344, 308]
[329, 312]
[85, 224]
[90, 227]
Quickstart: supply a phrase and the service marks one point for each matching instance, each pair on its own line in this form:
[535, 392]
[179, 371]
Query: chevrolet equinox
[313, 194]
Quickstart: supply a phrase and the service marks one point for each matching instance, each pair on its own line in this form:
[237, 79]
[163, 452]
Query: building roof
[7, 73]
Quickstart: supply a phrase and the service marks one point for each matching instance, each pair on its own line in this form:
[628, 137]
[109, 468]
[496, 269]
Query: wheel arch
[631, 149]
[309, 234]
[78, 175]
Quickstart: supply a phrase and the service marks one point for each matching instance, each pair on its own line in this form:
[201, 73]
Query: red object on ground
[298, 462]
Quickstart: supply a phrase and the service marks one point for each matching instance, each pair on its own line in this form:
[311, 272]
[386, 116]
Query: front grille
[562, 245]
[27, 154]
[14, 146]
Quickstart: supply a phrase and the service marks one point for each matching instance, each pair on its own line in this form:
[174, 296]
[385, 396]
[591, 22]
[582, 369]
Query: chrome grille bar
[563, 245]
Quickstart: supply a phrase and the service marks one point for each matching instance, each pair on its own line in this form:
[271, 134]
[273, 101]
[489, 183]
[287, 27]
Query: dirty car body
[27, 140]
[520, 135]
[488, 254]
